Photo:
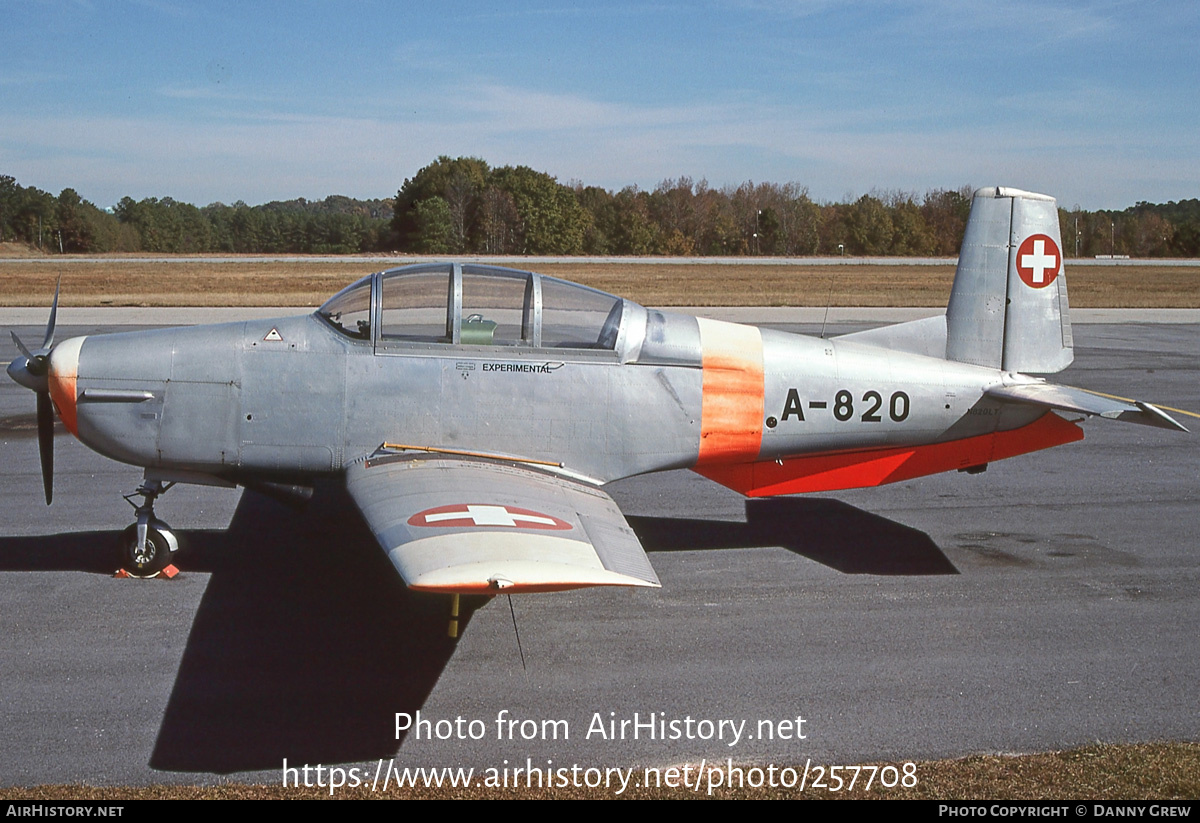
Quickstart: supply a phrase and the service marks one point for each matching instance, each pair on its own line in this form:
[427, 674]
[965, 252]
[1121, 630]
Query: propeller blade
[45, 419]
[21, 345]
[30, 370]
[49, 341]
[46, 442]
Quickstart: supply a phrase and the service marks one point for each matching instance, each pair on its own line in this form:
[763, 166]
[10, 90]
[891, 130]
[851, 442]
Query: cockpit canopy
[443, 304]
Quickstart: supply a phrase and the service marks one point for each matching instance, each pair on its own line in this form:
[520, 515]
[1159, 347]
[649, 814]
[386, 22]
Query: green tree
[626, 224]
[498, 222]
[74, 230]
[595, 202]
[434, 226]
[9, 194]
[459, 182]
[911, 236]
[945, 212]
[868, 227]
[36, 217]
[673, 208]
[551, 220]
[834, 230]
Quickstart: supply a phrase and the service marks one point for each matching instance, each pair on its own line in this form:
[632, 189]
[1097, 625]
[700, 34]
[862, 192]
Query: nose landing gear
[148, 546]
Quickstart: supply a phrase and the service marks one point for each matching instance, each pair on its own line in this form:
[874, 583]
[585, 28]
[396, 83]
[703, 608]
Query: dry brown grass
[1163, 771]
[251, 281]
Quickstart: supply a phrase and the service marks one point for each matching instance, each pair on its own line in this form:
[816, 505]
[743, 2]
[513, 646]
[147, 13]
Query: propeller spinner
[31, 370]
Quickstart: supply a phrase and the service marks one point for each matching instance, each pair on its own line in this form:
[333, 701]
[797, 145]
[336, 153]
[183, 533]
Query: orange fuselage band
[731, 409]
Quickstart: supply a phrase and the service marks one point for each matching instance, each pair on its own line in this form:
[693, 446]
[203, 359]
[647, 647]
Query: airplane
[475, 412]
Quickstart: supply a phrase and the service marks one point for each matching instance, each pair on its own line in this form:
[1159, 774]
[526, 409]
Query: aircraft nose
[20, 372]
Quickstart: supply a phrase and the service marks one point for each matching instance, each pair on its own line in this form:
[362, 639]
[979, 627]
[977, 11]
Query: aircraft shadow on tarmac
[303, 647]
[306, 641]
[830, 532]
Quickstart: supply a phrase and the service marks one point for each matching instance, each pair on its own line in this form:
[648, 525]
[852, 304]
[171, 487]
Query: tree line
[457, 206]
[69, 224]
[464, 206]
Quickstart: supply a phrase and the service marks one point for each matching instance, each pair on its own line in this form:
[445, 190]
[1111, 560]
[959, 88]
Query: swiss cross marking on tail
[461, 515]
[1038, 261]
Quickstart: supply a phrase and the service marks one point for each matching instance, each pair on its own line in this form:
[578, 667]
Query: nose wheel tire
[154, 557]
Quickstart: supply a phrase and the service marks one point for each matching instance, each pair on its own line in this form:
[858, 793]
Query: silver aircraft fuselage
[675, 392]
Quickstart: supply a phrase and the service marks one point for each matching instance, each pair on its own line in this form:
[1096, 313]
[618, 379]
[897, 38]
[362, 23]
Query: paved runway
[1046, 603]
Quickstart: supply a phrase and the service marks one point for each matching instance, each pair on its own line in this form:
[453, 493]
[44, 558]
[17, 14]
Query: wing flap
[477, 526]
[1067, 398]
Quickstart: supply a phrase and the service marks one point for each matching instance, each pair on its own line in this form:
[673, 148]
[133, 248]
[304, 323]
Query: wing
[460, 525]
[1066, 398]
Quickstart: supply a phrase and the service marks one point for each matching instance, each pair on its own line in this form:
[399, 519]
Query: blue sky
[1096, 103]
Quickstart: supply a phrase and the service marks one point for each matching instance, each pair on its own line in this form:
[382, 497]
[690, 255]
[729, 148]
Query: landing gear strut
[148, 545]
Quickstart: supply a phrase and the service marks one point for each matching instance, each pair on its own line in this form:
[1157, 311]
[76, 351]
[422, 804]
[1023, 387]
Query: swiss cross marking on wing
[482, 515]
[1038, 261]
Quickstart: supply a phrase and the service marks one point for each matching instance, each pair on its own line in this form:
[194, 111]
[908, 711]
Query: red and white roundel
[1038, 261]
[472, 515]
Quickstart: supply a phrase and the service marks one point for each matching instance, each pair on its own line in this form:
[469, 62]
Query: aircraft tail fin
[1008, 308]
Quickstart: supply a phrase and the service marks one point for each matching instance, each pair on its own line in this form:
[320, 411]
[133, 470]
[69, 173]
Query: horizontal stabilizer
[1066, 398]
